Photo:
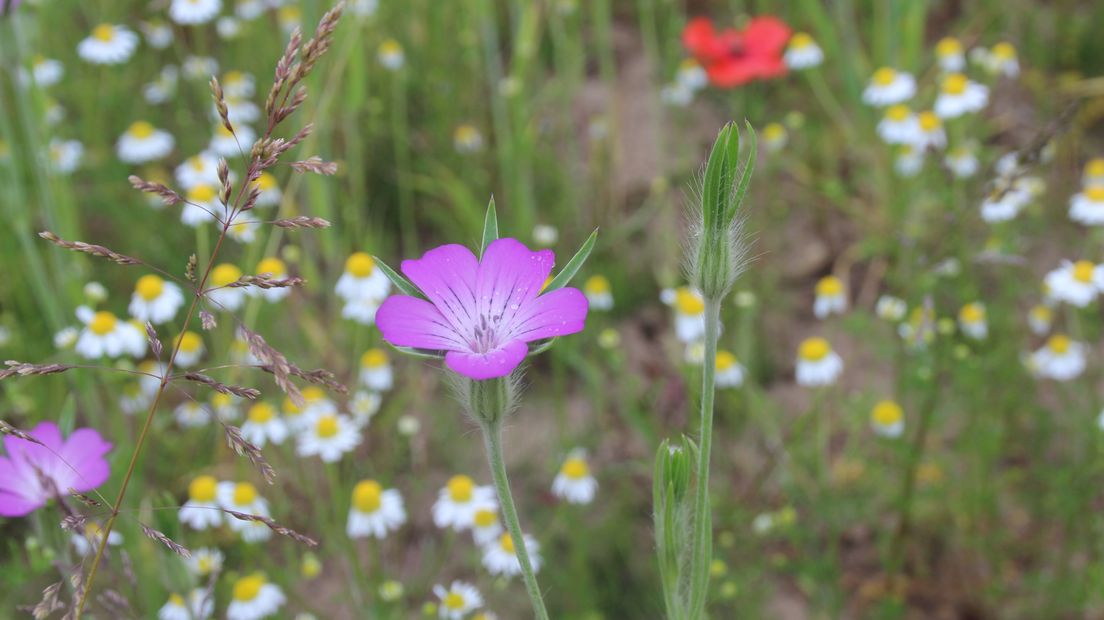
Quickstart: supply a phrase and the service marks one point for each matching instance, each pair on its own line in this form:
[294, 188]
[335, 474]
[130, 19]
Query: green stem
[703, 523]
[492, 439]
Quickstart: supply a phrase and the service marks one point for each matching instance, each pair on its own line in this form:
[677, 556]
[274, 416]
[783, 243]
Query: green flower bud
[487, 401]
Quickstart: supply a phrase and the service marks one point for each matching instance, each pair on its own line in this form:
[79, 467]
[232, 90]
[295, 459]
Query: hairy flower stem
[492, 439]
[702, 540]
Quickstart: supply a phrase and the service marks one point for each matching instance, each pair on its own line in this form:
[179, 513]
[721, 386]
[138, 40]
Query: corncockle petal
[411, 322]
[490, 365]
[510, 276]
[84, 452]
[558, 313]
[77, 462]
[447, 276]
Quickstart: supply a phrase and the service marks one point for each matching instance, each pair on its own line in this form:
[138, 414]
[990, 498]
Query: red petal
[699, 38]
[767, 35]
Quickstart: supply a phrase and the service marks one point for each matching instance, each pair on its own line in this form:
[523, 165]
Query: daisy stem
[492, 439]
[702, 541]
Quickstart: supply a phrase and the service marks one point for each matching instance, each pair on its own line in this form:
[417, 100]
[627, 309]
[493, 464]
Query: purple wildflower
[32, 474]
[481, 312]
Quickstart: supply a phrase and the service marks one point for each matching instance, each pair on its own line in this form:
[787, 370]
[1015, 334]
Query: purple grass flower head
[8, 6]
[481, 313]
[32, 474]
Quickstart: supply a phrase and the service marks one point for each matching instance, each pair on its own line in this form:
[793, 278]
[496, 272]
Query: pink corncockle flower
[32, 474]
[481, 312]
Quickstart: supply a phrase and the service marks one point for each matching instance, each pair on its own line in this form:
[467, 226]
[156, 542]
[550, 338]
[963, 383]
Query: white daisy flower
[802, 52]
[143, 143]
[105, 335]
[466, 139]
[228, 27]
[199, 68]
[87, 542]
[962, 162]
[574, 482]
[201, 206]
[289, 17]
[201, 511]
[457, 503]
[54, 114]
[391, 55]
[221, 294]
[1005, 202]
[133, 399]
[254, 597]
[159, 35]
[66, 155]
[775, 137]
[486, 527]
[598, 293]
[364, 406]
[949, 55]
[362, 280]
[888, 419]
[817, 363]
[691, 75]
[1087, 206]
[315, 404]
[278, 270]
[329, 437]
[374, 511]
[150, 380]
[408, 425]
[249, 9]
[458, 600]
[689, 310]
[676, 95]
[888, 86]
[66, 337]
[199, 605]
[228, 145]
[44, 72]
[1076, 283]
[959, 95]
[95, 292]
[1003, 60]
[108, 45]
[1060, 359]
[262, 425]
[375, 370]
[1094, 173]
[831, 298]
[193, 12]
[201, 169]
[899, 125]
[239, 111]
[243, 497]
[909, 161]
[362, 311]
[363, 8]
[500, 557]
[238, 84]
[973, 322]
[694, 353]
[244, 232]
[545, 235]
[226, 406]
[930, 131]
[204, 562]
[730, 372]
[163, 87]
[1039, 319]
[191, 349]
[190, 414]
[155, 300]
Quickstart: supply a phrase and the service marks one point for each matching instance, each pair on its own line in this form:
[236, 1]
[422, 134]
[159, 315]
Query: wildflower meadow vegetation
[580, 309]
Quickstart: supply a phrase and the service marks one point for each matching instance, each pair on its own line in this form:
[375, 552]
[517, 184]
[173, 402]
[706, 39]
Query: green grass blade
[574, 265]
[400, 282]
[490, 227]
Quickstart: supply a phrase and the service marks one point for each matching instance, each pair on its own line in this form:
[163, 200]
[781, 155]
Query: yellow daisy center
[104, 32]
[507, 543]
[725, 360]
[575, 468]
[454, 600]
[202, 489]
[233, 77]
[948, 46]
[374, 358]
[1059, 343]
[485, 518]
[149, 287]
[222, 132]
[313, 394]
[814, 349]
[141, 130]
[176, 599]
[288, 14]
[898, 112]
[829, 286]
[190, 342]
[955, 84]
[102, 323]
[884, 76]
[390, 47]
[1041, 313]
[597, 285]
[929, 122]
[247, 588]
[225, 274]
[465, 133]
[801, 40]
[1004, 51]
[1095, 167]
[201, 194]
[688, 302]
[266, 182]
[360, 265]
[261, 413]
[689, 64]
[92, 530]
[887, 413]
[326, 427]
[273, 266]
[461, 488]
[220, 400]
[1083, 271]
[774, 132]
[972, 313]
[367, 496]
[197, 163]
[244, 494]
[1095, 194]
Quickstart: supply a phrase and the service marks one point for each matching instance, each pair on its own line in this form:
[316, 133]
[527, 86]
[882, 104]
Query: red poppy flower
[733, 57]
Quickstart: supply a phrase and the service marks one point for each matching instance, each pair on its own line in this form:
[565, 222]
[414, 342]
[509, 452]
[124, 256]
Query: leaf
[542, 347]
[745, 179]
[422, 353]
[400, 282]
[574, 265]
[490, 227]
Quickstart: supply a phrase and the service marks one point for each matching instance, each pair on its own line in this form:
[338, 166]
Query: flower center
[972, 313]
[688, 302]
[507, 543]
[575, 468]
[829, 286]
[1059, 343]
[725, 360]
[266, 182]
[1095, 194]
[1095, 167]
[887, 413]
[190, 342]
[485, 518]
[597, 285]
[244, 494]
[202, 489]
[801, 40]
[326, 427]
[313, 394]
[197, 163]
[225, 274]
[390, 47]
[201, 194]
[898, 112]
[261, 413]
[884, 76]
[104, 32]
[929, 122]
[374, 358]
[176, 599]
[948, 47]
[103, 323]
[247, 588]
[149, 287]
[1004, 51]
[272, 265]
[140, 130]
[460, 489]
[814, 349]
[1083, 271]
[360, 265]
[955, 84]
[366, 496]
[1041, 314]
[774, 132]
[454, 600]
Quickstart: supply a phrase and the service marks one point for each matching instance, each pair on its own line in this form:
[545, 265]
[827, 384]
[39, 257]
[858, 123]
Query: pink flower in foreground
[482, 313]
[30, 475]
